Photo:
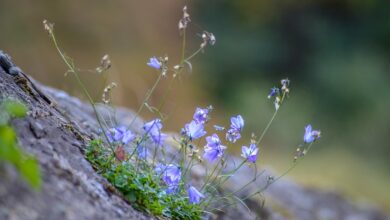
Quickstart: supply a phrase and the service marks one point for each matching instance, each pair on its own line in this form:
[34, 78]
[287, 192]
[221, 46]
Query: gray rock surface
[56, 133]
[71, 188]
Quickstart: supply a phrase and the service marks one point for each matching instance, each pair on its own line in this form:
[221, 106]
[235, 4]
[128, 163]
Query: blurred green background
[336, 54]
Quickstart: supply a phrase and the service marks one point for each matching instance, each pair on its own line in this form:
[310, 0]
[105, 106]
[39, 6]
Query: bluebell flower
[310, 135]
[154, 63]
[113, 135]
[171, 174]
[128, 136]
[194, 130]
[274, 91]
[250, 153]
[194, 195]
[213, 141]
[120, 134]
[158, 138]
[153, 125]
[214, 149]
[153, 129]
[232, 135]
[237, 123]
[201, 115]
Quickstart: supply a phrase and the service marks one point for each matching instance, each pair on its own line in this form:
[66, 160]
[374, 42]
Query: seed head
[105, 64]
[48, 26]
[106, 96]
[183, 23]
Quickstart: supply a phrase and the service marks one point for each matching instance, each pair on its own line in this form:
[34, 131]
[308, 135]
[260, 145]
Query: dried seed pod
[105, 64]
[106, 96]
[208, 38]
[48, 26]
[184, 20]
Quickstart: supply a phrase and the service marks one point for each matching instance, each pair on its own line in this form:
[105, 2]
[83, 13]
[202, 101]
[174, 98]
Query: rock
[56, 131]
[71, 188]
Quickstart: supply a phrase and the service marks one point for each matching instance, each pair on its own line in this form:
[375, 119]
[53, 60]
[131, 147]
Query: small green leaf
[29, 169]
[11, 152]
[8, 151]
[131, 197]
[15, 109]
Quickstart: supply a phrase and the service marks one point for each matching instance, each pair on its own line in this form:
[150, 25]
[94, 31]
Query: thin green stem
[148, 95]
[270, 121]
[81, 84]
[170, 86]
[183, 147]
[232, 172]
[216, 176]
[155, 153]
[293, 165]
[183, 49]
[189, 166]
[250, 182]
[266, 128]
[211, 174]
[193, 55]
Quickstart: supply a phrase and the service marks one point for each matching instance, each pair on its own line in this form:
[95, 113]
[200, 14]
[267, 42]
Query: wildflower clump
[153, 171]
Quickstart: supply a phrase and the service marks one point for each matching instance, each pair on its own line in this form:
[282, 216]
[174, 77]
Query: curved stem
[211, 174]
[266, 128]
[270, 121]
[183, 49]
[193, 55]
[293, 165]
[81, 84]
[148, 95]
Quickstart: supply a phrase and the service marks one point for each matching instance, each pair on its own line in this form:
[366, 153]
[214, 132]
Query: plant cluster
[157, 177]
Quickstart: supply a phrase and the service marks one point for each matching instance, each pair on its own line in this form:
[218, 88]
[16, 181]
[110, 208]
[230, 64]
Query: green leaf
[8, 151]
[11, 152]
[15, 109]
[131, 196]
[29, 169]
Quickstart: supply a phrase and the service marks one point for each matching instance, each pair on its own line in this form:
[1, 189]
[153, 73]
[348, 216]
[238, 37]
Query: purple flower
[158, 138]
[237, 123]
[194, 130]
[154, 63]
[120, 134]
[201, 115]
[194, 195]
[232, 135]
[213, 141]
[153, 125]
[250, 153]
[213, 149]
[153, 129]
[236, 126]
[113, 135]
[274, 91]
[128, 136]
[310, 135]
[171, 174]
